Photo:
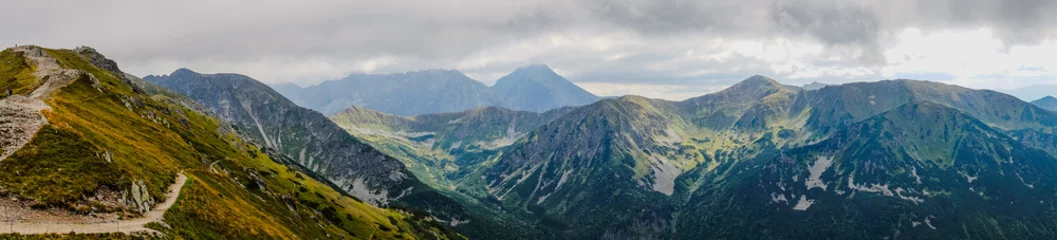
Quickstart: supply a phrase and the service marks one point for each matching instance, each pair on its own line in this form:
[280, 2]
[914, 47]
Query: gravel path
[125, 226]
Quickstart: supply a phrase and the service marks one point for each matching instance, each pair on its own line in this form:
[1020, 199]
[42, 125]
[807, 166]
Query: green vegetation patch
[15, 73]
[57, 167]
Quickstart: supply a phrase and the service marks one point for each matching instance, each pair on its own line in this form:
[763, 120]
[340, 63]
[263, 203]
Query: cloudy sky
[666, 48]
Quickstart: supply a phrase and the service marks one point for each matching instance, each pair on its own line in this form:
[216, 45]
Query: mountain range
[530, 88]
[727, 164]
[436, 155]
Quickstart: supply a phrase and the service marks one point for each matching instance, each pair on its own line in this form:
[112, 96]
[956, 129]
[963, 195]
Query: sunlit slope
[104, 136]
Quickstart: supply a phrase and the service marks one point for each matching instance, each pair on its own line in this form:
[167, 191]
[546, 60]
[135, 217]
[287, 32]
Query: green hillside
[104, 135]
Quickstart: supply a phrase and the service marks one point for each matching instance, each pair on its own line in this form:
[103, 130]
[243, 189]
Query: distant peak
[353, 108]
[758, 81]
[760, 78]
[631, 98]
[814, 86]
[357, 110]
[183, 72]
[535, 67]
[438, 72]
[1047, 102]
[534, 73]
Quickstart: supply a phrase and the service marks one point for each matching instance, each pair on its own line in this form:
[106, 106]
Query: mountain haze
[1033, 92]
[533, 88]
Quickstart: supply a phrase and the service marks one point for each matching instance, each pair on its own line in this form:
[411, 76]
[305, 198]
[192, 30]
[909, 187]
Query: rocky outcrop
[137, 198]
[98, 60]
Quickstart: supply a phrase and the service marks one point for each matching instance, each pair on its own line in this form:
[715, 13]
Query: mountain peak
[439, 71]
[447, 73]
[535, 68]
[1047, 102]
[538, 88]
[756, 83]
[183, 72]
[758, 80]
[537, 73]
[814, 86]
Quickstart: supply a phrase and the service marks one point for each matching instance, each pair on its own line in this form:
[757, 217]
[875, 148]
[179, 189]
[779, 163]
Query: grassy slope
[15, 73]
[244, 195]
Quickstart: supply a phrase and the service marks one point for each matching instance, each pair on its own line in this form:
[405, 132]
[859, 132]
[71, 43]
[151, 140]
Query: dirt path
[125, 226]
[20, 116]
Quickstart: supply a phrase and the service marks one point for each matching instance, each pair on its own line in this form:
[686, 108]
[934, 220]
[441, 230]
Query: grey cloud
[149, 37]
[1016, 21]
[834, 23]
[831, 22]
[662, 16]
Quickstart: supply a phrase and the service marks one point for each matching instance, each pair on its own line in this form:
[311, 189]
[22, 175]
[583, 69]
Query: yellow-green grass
[151, 141]
[15, 73]
[57, 168]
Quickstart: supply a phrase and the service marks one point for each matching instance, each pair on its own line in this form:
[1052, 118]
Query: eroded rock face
[18, 124]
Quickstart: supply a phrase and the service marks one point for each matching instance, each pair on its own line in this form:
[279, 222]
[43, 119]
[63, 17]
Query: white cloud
[667, 92]
[974, 58]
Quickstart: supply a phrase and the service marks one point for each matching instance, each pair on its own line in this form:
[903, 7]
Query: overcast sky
[667, 48]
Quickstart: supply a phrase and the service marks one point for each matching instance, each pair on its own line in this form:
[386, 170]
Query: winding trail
[124, 226]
